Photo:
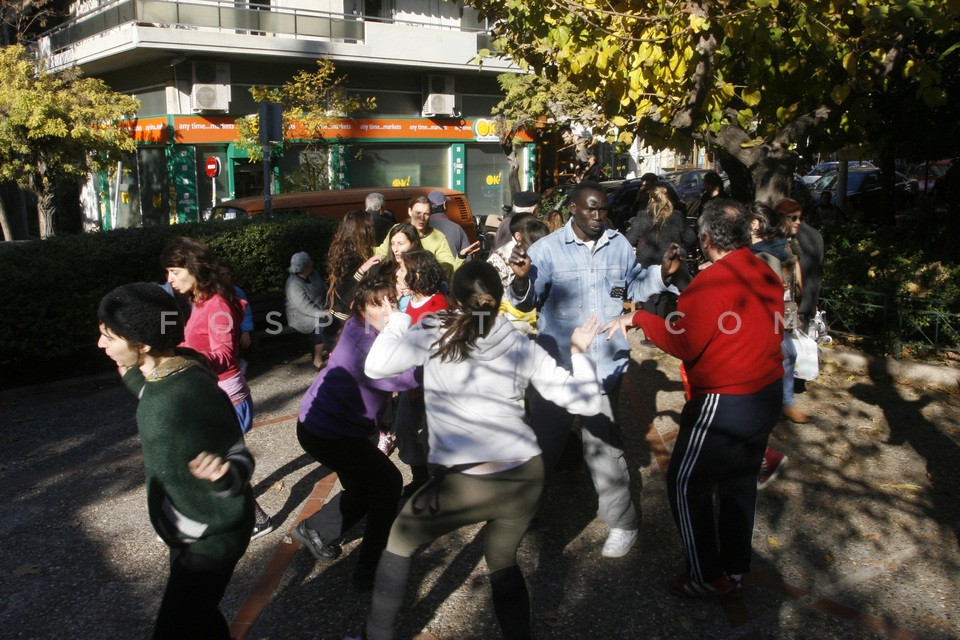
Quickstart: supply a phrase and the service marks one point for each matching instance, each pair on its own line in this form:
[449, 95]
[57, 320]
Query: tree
[756, 79]
[55, 129]
[311, 100]
[20, 18]
[529, 101]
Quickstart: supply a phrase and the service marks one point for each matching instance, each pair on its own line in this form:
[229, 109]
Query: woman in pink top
[213, 328]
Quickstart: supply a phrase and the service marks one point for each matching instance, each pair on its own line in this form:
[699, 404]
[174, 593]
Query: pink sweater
[214, 331]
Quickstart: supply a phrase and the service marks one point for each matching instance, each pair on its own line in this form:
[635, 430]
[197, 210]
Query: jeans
[789, 361]
[602, 451]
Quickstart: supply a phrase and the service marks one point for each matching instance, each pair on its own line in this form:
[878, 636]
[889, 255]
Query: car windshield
[854, 181]
[821, 169]
[673, 178]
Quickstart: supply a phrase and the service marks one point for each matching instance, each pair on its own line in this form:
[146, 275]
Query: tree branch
[701, 81]
[803, 126]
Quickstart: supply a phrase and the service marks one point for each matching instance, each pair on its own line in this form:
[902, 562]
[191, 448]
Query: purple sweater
[343, 402]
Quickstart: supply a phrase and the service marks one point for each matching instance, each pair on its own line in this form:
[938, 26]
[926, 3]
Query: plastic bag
[808, 358]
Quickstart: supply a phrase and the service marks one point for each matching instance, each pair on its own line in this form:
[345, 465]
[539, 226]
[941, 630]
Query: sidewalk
[857, 539]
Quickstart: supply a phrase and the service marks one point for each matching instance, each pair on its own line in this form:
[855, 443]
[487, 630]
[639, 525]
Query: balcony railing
[222, 16]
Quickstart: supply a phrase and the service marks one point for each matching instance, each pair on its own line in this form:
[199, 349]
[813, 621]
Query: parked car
[928, 173]
[863, 190]
[688, 183]
[824, 168]
[623, 197]
[335, 203]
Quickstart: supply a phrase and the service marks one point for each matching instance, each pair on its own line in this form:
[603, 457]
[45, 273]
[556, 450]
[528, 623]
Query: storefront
[164, 182]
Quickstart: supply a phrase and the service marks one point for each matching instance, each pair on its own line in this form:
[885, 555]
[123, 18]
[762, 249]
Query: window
[398, 165]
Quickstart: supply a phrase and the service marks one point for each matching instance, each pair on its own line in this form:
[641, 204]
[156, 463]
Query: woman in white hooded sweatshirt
[476, 367]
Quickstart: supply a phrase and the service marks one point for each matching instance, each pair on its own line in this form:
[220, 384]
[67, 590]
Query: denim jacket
[567, 283]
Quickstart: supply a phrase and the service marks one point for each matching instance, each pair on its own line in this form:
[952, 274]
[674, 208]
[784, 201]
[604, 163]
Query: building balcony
[122, 33]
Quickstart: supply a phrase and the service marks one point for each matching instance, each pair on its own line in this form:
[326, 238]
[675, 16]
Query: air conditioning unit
[211, 87]
[438, 97]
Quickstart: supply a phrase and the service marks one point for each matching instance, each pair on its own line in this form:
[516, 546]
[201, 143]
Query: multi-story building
[191, 63]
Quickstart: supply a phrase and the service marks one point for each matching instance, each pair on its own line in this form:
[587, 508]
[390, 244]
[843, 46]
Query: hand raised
[620, 323]
[673, 257]
[519, 262]
[469, 251]
[366, 266]
[582, 336]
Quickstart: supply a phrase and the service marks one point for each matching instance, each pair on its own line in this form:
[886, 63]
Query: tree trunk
[45, 202]
[5, 221]
[741, 180]
[888, 179]
[760, 172]
[772, 174]
[513, 158]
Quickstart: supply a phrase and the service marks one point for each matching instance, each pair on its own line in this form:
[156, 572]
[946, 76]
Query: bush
[892, 284]
[52, 287]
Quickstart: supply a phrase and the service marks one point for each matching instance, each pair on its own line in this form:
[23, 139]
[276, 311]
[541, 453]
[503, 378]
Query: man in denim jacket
[582, 269]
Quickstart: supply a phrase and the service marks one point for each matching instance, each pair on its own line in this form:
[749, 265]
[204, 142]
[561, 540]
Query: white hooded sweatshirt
[474, 411]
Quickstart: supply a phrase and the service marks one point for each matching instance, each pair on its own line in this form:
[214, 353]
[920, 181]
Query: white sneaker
[619, 542]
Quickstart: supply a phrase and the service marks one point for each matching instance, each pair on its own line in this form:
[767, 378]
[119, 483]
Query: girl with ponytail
[487, 464]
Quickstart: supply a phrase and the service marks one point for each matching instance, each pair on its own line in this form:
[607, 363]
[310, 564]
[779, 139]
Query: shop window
[398, 165]
[487, 178]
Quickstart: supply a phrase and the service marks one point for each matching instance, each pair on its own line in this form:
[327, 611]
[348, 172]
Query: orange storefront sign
[222, 129]
[204, 129]
[148, 130]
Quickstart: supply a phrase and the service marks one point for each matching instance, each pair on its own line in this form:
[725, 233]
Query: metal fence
[891, 321]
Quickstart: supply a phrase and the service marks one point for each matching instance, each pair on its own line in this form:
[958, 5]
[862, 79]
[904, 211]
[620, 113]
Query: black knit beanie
[143, 313]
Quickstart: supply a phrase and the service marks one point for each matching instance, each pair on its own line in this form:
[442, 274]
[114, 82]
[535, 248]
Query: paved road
[858, 539]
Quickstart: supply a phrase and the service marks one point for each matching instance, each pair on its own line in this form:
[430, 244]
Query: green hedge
[51, 288]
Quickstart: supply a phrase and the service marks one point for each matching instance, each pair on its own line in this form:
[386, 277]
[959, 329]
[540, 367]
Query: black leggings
[371, 487]
[190, 606]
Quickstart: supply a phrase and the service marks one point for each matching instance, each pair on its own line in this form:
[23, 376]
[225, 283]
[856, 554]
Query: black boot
[388, 594]
[511, 602]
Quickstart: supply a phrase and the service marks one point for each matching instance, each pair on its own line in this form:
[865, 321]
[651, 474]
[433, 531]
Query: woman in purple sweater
[339, 417]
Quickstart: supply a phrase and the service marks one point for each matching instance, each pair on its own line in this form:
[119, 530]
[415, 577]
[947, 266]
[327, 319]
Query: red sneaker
[773, 461]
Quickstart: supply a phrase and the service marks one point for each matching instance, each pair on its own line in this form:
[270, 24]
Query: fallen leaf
[278, 486]
[773, 542]
[872, 537]
[25, 569]
[901, 486]
[829, 559]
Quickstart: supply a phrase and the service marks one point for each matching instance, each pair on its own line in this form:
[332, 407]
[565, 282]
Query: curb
[898, 370]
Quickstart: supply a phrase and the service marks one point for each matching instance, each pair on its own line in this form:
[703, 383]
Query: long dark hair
[477, 291]
[197, 258]
[771, 222]
[354, 237]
